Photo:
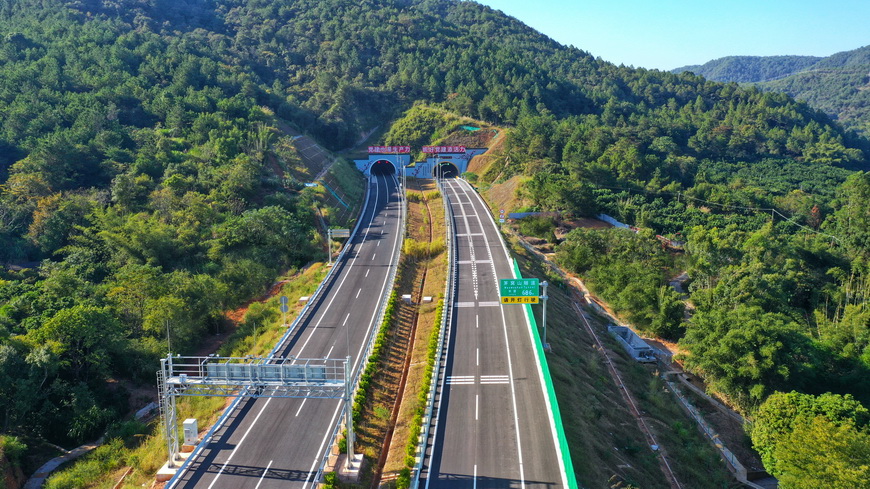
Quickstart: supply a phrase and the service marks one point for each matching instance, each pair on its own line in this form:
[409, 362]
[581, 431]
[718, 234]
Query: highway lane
[280, 442]
[492, 427]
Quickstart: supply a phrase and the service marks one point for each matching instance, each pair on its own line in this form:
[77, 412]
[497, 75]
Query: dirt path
[315, 158]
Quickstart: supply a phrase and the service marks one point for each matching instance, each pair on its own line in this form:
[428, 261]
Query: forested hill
[134, 136]
[839, 84]
[749, 69]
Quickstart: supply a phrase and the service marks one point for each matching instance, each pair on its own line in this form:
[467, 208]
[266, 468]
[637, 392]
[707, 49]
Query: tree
[852, 220]
[667, 322]
[83, 338]
[781, 412]
[746, 353]
[820, 453]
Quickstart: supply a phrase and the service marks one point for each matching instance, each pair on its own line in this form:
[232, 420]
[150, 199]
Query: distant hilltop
[837, 85]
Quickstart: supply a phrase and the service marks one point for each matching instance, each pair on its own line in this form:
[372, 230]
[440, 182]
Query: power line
[765, 210]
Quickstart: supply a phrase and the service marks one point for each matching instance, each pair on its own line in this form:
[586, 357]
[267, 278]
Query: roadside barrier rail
[446, 318]
[391, 283]
[303, 314]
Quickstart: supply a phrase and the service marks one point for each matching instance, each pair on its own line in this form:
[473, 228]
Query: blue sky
[667, 34]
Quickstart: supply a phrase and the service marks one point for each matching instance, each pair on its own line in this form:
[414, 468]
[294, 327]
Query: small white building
[633, 344]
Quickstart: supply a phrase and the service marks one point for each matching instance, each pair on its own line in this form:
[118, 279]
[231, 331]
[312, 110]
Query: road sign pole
[544, 315]
[284, 309]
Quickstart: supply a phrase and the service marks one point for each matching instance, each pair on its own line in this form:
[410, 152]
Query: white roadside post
[329, 246]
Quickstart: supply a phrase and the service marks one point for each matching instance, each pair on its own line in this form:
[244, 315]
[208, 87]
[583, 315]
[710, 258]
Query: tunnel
[383, 167]
[445, 169]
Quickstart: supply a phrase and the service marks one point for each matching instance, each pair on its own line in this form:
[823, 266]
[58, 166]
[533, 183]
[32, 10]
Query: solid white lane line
[264, 474]
[300, 406]
[358, 291]
[340, 284]
[508, 351]
[326, 436]
[446, 354]
[313, 470]
[224, 466]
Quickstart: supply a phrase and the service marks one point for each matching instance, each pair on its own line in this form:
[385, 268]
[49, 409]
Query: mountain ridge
[837, 84]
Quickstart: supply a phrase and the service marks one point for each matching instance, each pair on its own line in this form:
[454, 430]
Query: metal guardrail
[374, 334]
[541, 360]
[446, 317]
[303, 314]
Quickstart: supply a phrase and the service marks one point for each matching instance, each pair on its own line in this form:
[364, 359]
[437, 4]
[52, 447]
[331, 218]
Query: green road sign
[519, 290]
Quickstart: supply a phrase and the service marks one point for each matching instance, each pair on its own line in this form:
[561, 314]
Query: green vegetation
[12, 451]
[380, 344]
[819, 453]
[814, 441]
[133, 167]
[836, 84]
[422, 400]
[539, 226]
[145, 190]
[627, 270]
[143, 448]
[748, 69]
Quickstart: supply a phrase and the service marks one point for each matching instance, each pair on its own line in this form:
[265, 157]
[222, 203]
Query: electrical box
[191, 431]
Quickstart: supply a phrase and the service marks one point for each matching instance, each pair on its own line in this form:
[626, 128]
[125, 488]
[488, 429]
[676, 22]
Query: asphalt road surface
[492, 428]
[271, 443]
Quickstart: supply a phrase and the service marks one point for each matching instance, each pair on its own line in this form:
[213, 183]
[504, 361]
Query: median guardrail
[446, 318]
[391, 281]
[303, 314]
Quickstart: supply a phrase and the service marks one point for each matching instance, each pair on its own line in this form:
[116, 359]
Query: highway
[271, 443]
[492, 427]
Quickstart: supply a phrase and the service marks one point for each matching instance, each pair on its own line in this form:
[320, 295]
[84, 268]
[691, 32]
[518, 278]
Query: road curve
[272, 443]
[491, 427]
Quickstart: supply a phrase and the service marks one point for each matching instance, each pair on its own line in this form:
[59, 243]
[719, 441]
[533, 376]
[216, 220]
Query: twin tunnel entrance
[445, 169]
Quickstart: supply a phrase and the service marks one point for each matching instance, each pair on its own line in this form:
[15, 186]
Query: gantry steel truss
[212, 376]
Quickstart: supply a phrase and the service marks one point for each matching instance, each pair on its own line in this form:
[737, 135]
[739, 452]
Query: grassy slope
[606, 445]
